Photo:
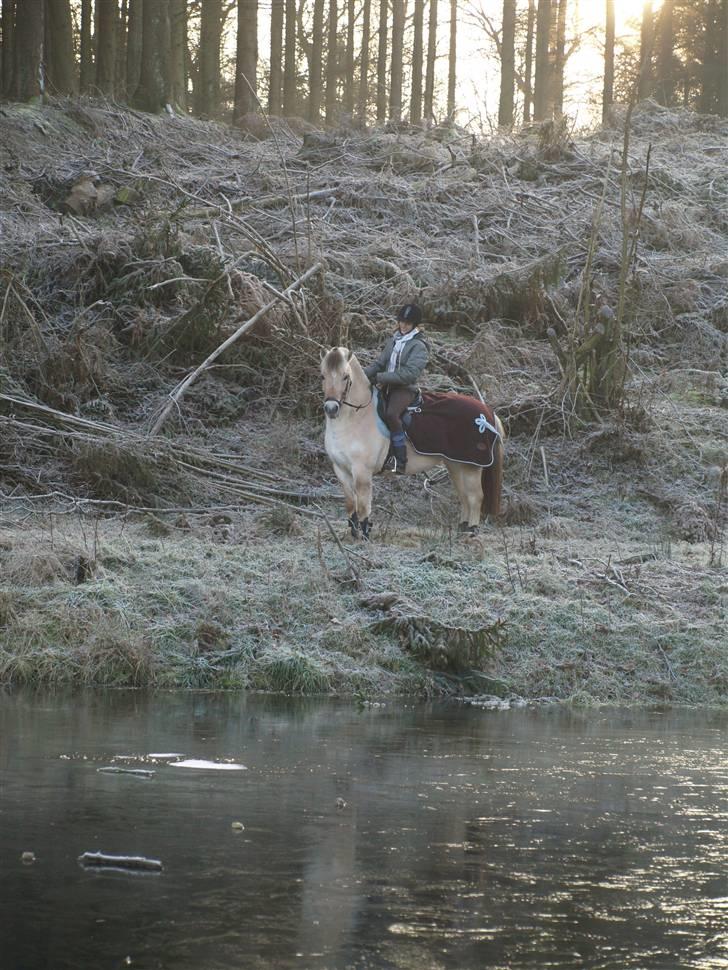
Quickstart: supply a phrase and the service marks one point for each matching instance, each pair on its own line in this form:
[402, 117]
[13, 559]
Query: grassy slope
[608, 571]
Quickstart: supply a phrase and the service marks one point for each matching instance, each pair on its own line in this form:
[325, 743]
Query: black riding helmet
[410, 314]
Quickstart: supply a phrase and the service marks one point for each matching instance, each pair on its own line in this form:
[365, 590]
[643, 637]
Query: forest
[359, 61]
[198, 199]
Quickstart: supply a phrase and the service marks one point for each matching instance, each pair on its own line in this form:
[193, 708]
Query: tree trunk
[543, 64]
[665, 82]
[29, 20]
[608, 94]
[87, 71]
[246, 64]
[60, 60]
[178, 53]
[395, 73]
[106, 17]
[431, 57]
[559, 60]
[528, 65]
[452, 59]
[332, 65]
[207, 91]
[290, 72]
[644, 83]
[508, 65]
[364, 61]
[276, 57]
[710, 80]
[134, 46]
[314, 93]
[349, 64]
[723, 90]
[120, 86]
[382, 61]
[8, 25]
[152, 92]
[417, 59]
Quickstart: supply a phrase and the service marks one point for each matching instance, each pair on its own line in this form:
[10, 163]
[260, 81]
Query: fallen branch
[178, 392]
[101, 860]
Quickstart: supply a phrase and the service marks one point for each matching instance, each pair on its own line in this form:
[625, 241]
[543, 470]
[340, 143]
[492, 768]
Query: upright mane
[336, 359]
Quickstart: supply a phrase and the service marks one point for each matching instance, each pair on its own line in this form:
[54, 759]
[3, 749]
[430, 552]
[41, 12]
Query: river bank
[211, 551]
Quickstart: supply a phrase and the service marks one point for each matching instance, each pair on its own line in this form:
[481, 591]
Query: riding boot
[400, 458]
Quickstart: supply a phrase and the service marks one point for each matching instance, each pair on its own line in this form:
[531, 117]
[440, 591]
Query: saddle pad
[454, 426]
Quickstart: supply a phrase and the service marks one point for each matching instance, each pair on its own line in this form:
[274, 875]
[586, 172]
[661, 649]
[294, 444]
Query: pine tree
[177, 52]
[350, 59]
[395, 71]
[431, 57]
[508, 64]
[60, 60]
[417, 59]
[315, 79]
[86, 49]
[452, 59]
[608, 94]
[364, 61]
[542, 85]
[289, 70]
[647, 33]
[207, 89]
[559, 60]
[276, 57]
[382, 61]
[246, 64]
[332, 63]
[153, 91]
[107, 13]
[528, 63]
[28, 37]
[665, 81]
[8, 49]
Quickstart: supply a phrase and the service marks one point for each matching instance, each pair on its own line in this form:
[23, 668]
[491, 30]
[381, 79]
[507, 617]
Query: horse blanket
[453, 426]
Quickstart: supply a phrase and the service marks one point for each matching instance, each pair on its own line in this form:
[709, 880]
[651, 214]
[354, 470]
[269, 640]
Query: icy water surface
[468, 838]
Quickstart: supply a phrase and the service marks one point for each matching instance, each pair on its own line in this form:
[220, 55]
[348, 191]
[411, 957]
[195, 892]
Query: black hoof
[365, 529]
[354, 525]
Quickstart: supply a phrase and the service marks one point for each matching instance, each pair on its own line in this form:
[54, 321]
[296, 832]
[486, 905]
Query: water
[469, 839]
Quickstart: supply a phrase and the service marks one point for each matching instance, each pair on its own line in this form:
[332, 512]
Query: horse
[358, 443]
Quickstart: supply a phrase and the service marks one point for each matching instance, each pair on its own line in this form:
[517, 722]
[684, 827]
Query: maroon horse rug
[453, 426]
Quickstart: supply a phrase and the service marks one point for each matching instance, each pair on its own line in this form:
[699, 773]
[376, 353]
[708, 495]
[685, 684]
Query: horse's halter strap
[342, 399]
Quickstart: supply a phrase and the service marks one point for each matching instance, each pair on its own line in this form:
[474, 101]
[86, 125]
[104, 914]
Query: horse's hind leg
[466, 481]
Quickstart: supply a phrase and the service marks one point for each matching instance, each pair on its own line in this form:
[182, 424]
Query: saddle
[452, 426]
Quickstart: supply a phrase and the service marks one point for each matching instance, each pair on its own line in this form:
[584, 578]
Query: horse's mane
[336, 359]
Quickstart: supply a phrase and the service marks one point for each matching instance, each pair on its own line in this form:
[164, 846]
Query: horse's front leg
[363, 491]
[347, 484]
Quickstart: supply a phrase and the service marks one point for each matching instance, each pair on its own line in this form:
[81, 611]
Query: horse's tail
[491, 477]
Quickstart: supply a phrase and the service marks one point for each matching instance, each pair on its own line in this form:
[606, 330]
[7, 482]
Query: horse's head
[336, 373]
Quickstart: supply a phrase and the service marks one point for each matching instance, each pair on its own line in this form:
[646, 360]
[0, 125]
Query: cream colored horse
[358, 448]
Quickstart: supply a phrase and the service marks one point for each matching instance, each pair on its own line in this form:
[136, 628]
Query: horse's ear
[349, 355]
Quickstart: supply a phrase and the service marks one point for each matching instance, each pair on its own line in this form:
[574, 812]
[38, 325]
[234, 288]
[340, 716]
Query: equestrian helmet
[410, 314]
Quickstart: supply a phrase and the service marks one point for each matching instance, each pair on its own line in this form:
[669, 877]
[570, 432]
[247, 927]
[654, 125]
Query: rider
[396, 371]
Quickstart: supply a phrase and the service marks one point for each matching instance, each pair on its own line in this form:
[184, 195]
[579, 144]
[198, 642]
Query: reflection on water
[468, 838]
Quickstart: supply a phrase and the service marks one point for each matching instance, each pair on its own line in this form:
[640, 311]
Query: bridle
[342, 400]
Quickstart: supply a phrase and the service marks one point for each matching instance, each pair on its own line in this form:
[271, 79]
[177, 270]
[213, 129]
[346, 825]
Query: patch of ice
[216, 765]
[166, 754]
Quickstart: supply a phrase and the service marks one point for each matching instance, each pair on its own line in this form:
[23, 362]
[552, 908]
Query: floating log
[99, 859]
[140, 772]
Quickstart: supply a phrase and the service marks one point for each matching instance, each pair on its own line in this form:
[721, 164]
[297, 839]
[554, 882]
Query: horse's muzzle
[331, 407]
